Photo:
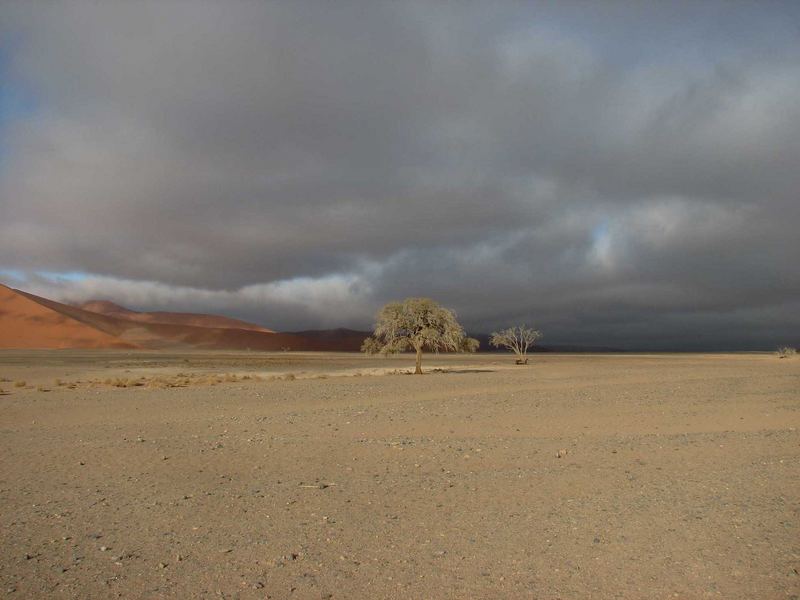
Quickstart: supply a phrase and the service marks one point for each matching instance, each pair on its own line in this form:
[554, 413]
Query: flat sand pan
[577, 476]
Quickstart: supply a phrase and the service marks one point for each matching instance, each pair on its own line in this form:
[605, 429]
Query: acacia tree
[417, 324]
[518, 339]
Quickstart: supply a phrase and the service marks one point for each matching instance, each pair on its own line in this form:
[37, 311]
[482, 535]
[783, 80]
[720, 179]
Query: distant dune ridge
[104, 307]
[29, 321]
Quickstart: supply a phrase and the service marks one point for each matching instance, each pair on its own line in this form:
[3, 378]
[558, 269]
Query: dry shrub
[3, 392]
[126, 382]
[5, 380]
[158, 382]
[41, 388]
[289, 377]
[20, 384]
[786, 352]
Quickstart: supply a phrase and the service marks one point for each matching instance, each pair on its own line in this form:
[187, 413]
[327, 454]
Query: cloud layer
[618, 176]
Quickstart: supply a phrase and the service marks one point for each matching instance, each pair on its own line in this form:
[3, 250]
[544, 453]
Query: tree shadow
[462, 370]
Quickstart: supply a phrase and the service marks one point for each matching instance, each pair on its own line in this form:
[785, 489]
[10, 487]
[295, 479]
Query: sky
[622, 174]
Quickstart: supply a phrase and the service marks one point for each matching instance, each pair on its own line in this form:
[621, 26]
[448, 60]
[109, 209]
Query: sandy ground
[578, 476]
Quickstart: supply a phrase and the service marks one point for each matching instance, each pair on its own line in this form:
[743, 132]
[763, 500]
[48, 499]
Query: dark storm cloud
[616, 173]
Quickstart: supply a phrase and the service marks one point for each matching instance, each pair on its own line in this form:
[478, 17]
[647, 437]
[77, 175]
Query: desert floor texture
[246, 475]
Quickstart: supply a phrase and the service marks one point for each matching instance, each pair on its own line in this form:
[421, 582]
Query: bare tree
[418, 324]
[517, 339]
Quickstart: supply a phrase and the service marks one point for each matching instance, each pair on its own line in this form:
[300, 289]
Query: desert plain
[334, 475]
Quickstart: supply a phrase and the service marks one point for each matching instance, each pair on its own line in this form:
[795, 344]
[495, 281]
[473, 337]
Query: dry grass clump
[169, 382]
[41, 388]
[161, 383]
[20, 384]
[286, 377]
[124, 382]
[5, 380]
[786, 352]
[70, 385]
[164, 381]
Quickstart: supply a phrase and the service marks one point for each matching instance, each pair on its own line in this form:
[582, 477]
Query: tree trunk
[418, 370]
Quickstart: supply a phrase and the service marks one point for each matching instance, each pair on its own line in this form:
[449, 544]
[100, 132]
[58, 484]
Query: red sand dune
[29, 321]
[104, 307]
[25, 323]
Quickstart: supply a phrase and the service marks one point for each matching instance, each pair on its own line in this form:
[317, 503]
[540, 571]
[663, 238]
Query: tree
[417, 324]
[518, 339]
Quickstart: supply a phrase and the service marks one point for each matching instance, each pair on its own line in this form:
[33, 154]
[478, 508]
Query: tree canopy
[417, 324]
[518, 339]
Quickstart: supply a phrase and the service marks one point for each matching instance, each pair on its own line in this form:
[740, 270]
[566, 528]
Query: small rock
[103, 548]
[162, 565]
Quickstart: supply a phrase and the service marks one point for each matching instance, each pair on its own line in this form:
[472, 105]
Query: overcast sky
[617, 174]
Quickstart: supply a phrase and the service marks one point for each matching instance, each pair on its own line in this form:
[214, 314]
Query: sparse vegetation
[786, 352]
[20, 384]
[418, 324]
[518, 339]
